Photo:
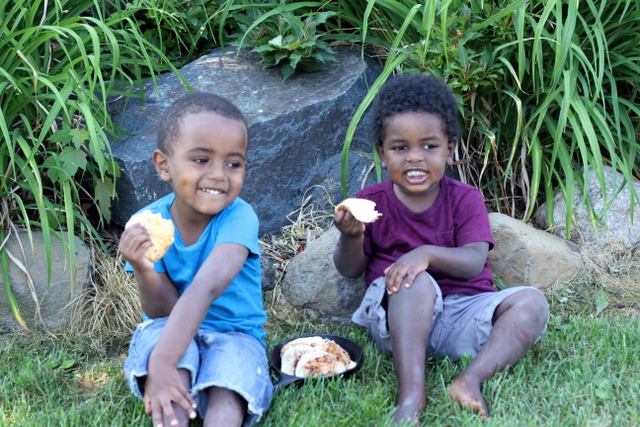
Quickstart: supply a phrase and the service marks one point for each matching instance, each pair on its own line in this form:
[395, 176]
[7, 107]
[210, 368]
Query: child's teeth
[206, 190]
[415, 173]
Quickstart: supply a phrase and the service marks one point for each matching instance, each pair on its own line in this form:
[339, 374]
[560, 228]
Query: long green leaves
[549, 88]
[59, 64]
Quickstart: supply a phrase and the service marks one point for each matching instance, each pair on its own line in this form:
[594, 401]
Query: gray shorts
[230, 360]
[461, 323]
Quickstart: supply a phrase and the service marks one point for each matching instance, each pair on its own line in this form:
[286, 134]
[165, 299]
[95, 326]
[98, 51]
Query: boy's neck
[190, 231]
[417, 204]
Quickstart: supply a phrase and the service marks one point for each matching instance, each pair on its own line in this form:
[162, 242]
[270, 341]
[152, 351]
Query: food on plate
[304, 341]
[161, 232]
[362, 209]
[317, 362]
[341, 355]
[313, 356]
[290, 358]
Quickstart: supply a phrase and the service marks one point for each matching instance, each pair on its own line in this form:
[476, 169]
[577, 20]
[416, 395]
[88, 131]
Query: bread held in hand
[362, 209]
[161, 232]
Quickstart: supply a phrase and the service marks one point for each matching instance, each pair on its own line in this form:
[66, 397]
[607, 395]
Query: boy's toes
[476, 407]
[468, 395]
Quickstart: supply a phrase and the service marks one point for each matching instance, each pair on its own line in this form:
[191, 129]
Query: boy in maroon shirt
[430, 293]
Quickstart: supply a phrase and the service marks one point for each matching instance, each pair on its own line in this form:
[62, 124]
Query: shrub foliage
[60, 64]
[549, 89]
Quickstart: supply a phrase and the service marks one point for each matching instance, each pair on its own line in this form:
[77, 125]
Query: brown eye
[234, 165]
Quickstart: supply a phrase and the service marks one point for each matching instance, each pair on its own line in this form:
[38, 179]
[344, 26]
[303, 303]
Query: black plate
[354, 350]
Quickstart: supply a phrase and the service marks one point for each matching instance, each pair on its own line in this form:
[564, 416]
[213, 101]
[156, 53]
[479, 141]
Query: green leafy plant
[182, 30]
[549, 89]
[60, 64]
[289, 41]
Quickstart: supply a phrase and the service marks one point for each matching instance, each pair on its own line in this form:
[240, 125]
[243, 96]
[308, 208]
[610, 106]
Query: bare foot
[466, 391]
[409, 411]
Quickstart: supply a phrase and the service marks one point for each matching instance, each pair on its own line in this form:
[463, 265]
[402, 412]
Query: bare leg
[224, 408]
[410, 315]
[518, 322]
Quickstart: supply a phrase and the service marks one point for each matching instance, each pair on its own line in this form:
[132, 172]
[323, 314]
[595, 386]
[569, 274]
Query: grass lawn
[584, 372]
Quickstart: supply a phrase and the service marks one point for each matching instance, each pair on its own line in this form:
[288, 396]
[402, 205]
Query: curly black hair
[416, 93]
[193, 103]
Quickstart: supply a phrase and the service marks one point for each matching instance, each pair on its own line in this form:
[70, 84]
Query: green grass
[583, 372]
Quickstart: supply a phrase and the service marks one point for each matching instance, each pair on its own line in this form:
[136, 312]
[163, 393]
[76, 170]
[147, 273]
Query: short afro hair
[193, 103]
[416, 93]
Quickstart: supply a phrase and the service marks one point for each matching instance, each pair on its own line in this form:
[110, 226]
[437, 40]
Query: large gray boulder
[53, 301]
[296, 129]
[616, 225]
[526, 256]
[312, 281]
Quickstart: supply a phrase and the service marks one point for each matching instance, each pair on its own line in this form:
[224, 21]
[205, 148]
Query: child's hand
[347, 224]
[134, 241]
[162, 388]
[404, 271]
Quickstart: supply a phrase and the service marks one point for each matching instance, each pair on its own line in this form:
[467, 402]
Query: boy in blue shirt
[201, 346]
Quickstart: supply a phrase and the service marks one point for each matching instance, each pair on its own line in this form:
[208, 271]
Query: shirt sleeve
[472, 220]
[240, 225]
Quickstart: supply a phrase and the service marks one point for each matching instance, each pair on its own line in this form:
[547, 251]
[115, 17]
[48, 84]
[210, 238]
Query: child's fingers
[156, 413]
[399, 277]
[391, 285]
[147, 405]
[134, 242]
[395, 275]
[411, 276]
[167, 411]
[187, 403]
[347, 224]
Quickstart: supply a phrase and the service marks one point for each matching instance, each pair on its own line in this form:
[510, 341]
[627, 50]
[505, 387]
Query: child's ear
[383, 161]
[451, 148]
[161, 162]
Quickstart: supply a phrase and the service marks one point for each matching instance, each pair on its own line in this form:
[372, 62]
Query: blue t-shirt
[240, 306]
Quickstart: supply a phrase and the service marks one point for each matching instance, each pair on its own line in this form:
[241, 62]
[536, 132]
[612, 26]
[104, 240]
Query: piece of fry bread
[160, 229]
[362, 209]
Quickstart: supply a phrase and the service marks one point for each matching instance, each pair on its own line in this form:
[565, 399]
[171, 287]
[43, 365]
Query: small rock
[617, 225]
[313, 282]
[526, 256]
[53, 301]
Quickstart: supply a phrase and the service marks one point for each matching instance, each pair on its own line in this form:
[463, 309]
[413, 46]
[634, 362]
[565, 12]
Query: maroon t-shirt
[458, 216]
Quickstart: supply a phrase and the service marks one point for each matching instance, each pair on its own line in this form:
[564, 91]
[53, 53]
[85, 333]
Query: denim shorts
[461, 323]
[230, 360]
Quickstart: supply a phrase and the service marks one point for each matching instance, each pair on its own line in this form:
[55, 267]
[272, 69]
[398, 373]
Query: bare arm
[349, 257]
[163, 385]
[157, 293]
[462, 262]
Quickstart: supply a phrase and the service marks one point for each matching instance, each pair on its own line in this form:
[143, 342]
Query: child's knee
[537, 303]
[423, 283]
[224, 407]
[421, 290]
[532, 306]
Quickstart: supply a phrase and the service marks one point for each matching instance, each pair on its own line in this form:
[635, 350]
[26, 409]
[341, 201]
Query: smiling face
[206, 165]
[415, 151]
